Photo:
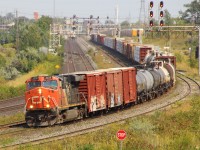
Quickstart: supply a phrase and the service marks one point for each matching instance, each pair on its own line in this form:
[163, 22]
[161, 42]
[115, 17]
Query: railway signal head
[161, 13]
[151, 14]
[151, 23]
[161, 4]
[161, 23]
[151, 4]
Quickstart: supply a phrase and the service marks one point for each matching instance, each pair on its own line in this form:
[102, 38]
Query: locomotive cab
[41, 100]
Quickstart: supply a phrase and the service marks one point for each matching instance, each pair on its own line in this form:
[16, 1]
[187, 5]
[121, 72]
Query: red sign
[121, 134]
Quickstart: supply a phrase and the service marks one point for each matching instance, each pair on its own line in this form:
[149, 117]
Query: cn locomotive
[55, 99]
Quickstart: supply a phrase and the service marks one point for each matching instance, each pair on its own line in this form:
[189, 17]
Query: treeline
[29, 51]
[24, 55]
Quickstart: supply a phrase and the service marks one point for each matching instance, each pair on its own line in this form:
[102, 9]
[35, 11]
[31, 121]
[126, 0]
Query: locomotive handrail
[85, 103]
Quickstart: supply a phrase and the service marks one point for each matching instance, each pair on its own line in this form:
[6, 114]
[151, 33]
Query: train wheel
[52, 122]
[81, 113]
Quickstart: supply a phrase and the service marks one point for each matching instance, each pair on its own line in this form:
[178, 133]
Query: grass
[175, 128]
[12, 118]
[7, 140]
[102, 61]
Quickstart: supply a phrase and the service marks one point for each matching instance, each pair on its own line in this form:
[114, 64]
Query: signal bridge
[72, 27]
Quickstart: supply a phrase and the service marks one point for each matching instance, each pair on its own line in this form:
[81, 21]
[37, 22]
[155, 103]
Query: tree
[30, 37]
[192, 13]
[44, 23]
[167, 18]
[125, 24]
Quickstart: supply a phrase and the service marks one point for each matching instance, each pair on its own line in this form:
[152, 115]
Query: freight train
[133, 51]
[56, 99]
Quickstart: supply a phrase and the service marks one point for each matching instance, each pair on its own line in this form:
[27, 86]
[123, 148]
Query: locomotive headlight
[31, 106]
[40, 91]
[47, 105]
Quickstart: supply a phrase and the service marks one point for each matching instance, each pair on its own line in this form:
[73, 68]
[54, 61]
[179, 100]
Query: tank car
[144, 85]
[155, 80]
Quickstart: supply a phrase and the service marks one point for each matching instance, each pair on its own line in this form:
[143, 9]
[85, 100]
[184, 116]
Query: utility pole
[116, 13]
[142, 16]
[17, 32]
[55, 30]
[198, 27]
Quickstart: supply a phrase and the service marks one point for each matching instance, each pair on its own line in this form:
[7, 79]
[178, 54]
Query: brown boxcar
[129, 85]
[140, 53]
[114, 88]
[93, 89]
[106, 88]
[166, 59]
[120, 86]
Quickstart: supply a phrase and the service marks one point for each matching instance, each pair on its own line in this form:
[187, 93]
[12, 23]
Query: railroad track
[117, 57]
[11, 105]
[181, 92]
[194, 85]
[75, 59]
[14, 124]
[11, 108]
[12, 100]
[84, 59]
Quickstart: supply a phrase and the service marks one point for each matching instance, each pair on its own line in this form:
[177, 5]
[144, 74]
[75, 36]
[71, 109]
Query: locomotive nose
[39, 98]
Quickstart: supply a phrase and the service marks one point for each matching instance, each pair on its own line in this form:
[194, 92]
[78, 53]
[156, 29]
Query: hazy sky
[84, 8]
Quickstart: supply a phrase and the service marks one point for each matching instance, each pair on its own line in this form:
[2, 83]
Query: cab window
[34, 84]
[50, 84]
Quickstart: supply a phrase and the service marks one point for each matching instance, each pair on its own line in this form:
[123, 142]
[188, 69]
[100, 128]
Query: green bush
[8, 92]
[193, 63]
[179, 57]
[2, 61]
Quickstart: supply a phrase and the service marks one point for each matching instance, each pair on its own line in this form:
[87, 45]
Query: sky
[85, 8]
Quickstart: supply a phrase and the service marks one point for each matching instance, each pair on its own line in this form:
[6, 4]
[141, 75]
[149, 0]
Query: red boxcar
[93, 87]
[167, 58]
[120, 86]
[108, 88]
[114, 88]
[129, 85]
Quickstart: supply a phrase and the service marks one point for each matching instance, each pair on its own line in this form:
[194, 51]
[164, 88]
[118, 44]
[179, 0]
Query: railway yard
[78, 61]
[110, 82]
